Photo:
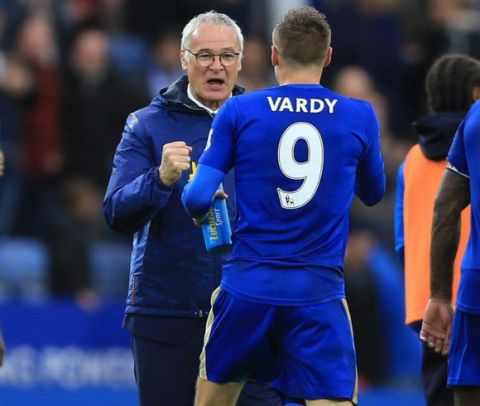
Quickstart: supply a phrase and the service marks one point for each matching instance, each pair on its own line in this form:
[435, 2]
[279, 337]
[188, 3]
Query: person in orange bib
[452, 85]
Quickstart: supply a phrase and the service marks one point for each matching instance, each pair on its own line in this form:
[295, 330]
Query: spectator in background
[171, 275]
[368, 22]
[164, 67]
[16, 87]
[256, 72]
[36, 49]
[361, 292]
[452, 85]
[75, 229]
[96, 105]
[2, 162]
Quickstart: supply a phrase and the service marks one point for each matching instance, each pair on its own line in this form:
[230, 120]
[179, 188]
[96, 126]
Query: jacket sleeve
[135, 193]
[398, 214]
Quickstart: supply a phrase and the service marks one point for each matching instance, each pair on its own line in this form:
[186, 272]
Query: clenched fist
[175, 160]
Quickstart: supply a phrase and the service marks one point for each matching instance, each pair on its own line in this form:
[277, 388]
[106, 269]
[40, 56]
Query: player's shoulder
[351, 102]
[251, 96]
[475, 107]
[473, 114]
[470, 127]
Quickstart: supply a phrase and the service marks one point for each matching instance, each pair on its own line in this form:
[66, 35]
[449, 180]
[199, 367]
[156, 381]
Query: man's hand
[2, 163]
[175, 160]
[437, 323]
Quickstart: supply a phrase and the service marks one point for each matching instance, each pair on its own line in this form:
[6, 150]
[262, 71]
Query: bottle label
[212, 224]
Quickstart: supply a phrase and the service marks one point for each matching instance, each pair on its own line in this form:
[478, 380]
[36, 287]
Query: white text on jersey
[281, 104]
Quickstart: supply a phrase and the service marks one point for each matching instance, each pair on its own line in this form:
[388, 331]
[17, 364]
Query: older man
[172, 276]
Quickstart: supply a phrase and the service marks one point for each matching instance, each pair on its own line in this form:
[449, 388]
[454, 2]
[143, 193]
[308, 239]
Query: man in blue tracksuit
[171, 275]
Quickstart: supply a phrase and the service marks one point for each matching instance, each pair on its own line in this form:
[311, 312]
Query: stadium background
[71, 70]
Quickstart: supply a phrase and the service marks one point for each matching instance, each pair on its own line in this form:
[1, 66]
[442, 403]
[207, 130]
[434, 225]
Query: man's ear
[328, 57]
[274, 56]
[476, 93]
[183, 61]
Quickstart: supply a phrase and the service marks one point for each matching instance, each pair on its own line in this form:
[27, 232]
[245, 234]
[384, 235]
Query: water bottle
[216, 227]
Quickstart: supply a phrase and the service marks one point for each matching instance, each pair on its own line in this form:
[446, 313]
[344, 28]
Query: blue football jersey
[300, 153]
[464, 158]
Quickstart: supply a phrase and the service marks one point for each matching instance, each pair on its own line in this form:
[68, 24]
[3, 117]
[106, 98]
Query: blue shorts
[309, 350]
[464, 354]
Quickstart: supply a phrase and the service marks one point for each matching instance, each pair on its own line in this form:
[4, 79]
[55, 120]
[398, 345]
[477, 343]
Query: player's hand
[199, 220]
[2, 163]
[437, 323]
[175, 160]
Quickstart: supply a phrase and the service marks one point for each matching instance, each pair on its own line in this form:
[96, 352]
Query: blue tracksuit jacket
[171, 273]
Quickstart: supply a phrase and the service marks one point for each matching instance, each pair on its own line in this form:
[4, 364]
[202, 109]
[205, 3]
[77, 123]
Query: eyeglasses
[205, 59]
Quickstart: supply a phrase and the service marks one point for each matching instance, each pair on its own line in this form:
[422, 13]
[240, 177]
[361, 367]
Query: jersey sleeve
[371, 180]
[198, 194]
[219, 151]
[457, 158]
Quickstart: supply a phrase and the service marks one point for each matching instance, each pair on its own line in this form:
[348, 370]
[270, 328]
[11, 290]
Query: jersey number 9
[310, 171]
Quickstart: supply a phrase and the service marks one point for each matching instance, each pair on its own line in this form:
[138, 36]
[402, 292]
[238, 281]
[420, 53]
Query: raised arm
[138, 188]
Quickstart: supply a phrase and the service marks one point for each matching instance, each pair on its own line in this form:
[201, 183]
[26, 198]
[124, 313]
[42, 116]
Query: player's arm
[398, 214]
[214, 163]
[452, 198]
[371, 180]
[198, 194]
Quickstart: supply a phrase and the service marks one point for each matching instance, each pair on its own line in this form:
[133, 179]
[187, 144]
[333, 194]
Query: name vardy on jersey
[299, 105]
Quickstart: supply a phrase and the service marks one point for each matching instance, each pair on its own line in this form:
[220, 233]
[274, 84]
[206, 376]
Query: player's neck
[298, 76]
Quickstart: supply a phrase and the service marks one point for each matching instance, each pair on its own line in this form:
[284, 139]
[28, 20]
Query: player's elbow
[371, 194]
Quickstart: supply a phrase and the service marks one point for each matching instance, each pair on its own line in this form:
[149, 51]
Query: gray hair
[214, 18]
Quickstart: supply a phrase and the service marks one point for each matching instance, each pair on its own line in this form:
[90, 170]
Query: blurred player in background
[171, 275]
[300, 153]
[452, 85]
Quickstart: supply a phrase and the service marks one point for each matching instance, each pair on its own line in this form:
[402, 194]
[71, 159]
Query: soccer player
[452, 85]
[460, 186]
[300, 153]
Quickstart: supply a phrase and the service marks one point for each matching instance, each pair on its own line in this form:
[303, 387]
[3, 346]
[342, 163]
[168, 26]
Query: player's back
[297, 150]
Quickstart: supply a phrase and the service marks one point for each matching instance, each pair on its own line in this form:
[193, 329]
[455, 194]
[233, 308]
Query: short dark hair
[450, 82]
[303, 36]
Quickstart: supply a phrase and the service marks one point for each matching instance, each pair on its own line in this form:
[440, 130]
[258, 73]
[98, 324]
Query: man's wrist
[160, 182]
[440, 297]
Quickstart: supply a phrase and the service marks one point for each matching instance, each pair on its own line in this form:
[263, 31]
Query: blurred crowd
[72, 70]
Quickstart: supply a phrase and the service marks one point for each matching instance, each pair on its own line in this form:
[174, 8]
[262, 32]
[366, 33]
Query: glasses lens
[204, 58]
[228, 58]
